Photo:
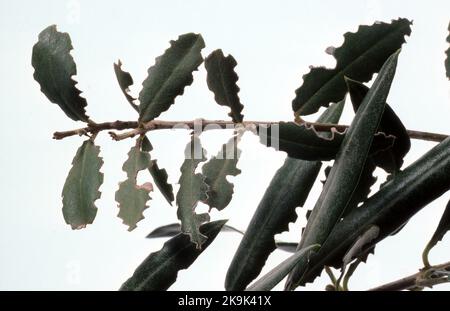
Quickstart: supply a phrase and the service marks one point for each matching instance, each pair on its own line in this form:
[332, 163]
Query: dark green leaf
[216, 171]
[192, 190]
[391, 159]
[288, 189]
[174, 229]
[277, 274]
[169, 76]
[300, 141]
[361, 55]
[221, 79]
[289, 247]
[132, 198]
[54, 68]
[125, 81]
[160, 178]
[393, 205]
[160, 269]
[81, 188]
[349, 164]
[441, 230]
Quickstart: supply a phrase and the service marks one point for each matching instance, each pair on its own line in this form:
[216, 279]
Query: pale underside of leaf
[160, 269]
[132, 198]
[81, 188]
[277, 274]
[221, 79]
[54, 68]
[361, 55]
[216, 171]
[169, 76]
[193, 189]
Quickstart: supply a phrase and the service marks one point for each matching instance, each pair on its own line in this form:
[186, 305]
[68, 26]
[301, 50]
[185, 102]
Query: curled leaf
[160, 177]
[441, 230]
[54, 68]
[125, 81]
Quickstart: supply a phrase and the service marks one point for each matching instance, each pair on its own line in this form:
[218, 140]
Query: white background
[274, 42]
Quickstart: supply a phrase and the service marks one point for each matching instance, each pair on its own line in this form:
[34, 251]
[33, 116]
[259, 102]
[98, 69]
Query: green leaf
[82, 185]
[305, 143]
[277, 274]
[169, 76]
[441, 230]
[160, 179]
[300, 141]
[288, 189]
[221, 79]
[391, 160]
[362, 190]
[390, 208]
[361, 55]
[192, 190]
[350, 162]
[132, 198]
[160, 269]
[125, 81]
[447, 60]
[175, 228]
[54, 68]
[216, 171]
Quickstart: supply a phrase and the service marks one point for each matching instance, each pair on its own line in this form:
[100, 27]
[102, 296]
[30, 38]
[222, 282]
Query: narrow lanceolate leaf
[390, 208]
[361, 55]
[169, 76]
[349, 163]
[160, 269]
[216, 171]
[159, 176]
[54, 68]
[441, 230]
[277, 274]
[288, 189]
[362, 190]
[447, 60]
[174, 229]
[221, 79]
[81, 188]
[391, 160]
[192, 190]
[132, 198]
[125, 81]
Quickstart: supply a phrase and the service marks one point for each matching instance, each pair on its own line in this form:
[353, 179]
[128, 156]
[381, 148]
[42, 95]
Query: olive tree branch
[139, 129]
[426, 277]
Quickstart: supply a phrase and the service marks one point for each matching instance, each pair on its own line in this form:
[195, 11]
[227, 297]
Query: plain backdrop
[274, 43]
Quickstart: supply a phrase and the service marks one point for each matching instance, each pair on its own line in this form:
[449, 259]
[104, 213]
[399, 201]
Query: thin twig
[201, 124]
[427, 277]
